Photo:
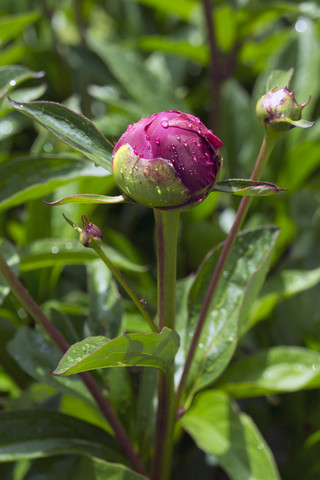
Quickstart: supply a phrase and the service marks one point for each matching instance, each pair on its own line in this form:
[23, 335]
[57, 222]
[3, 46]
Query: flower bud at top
[278, 110]
[167, 160]
[90, 234]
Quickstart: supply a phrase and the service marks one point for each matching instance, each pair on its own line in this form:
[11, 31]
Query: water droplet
[12, 83]
[148, 147]
[169, 148]
[178, 137]
[197, 119]
[55, 250]
[189, 125]
[165, 123]
[199, 131]
[148, 138]
[157, 141]
[185, 143]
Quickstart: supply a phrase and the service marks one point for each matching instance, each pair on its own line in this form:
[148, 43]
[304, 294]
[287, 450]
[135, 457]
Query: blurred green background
[116, 61]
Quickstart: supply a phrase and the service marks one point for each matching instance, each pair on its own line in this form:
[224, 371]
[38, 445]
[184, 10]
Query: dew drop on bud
[165, 123]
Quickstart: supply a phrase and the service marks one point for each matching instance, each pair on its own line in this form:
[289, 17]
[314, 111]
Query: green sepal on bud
[279, 111]
[153, 183]
[90, 234]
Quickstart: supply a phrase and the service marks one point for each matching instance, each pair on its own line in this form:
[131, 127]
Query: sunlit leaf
[240, 283]
[133, 349]
[276, 370]
[220, 430]
[279, 79]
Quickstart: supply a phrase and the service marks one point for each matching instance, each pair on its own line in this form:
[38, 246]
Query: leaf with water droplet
[133, 349]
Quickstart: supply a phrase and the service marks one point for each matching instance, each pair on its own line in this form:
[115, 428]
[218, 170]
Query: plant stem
[37, 314]
[265, 151]
[134, 297]
[166, 233]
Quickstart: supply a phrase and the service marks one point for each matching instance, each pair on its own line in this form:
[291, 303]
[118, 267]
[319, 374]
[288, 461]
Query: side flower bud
[90, 235]
[279, 111]
[168, 160]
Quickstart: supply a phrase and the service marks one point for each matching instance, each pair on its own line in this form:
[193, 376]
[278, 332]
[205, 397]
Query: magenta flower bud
[90, 234]
[168, 160]
[278, 110]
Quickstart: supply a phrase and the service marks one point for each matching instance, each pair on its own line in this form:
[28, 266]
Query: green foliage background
[116, 61]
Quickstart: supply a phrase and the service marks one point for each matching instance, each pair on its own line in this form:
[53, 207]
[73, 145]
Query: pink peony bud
[167, 160]
[279, 111]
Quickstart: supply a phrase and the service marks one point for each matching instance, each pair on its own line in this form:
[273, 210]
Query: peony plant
[170, 162]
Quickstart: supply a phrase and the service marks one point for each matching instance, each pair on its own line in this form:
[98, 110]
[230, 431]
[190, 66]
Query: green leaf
[240, 283]
[27, 178]
[197, 53]
[133, 349]
[23, 95]
[279, 79]
[36, 356]
[218, 428]
[276, 370]
[182, 8]
[151, 91]
[39, 433]
[51, 252]
[13, 25]
[12, 258]
[72, 128]
[284, 285]
[244, 187]
[87, 198]
[298, 123]
[11, 76]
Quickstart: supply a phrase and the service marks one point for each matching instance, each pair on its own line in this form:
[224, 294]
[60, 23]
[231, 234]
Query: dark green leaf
[11, 76]
[284, 285]
[133, 349]
[38, 433]
[87, 198]
[12, 258]
[72, 128]
[241, 281]
[276, 370]
[36, 356]
[232, 437]
[246, 187]
[32, 177]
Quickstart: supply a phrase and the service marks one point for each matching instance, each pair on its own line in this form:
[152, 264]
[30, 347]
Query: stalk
[166, 233]
[265, 151]
[37, 314]
[125, 285]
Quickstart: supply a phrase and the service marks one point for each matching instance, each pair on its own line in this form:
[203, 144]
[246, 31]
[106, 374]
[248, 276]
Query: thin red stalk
[37, 314]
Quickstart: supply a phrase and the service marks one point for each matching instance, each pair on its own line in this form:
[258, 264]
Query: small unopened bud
[91, 234]
[279, 111]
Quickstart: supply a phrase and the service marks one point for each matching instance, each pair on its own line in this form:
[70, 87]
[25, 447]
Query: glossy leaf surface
[72, 128]
[276, 370]
[240, 283]
[13, 75]
[219, 429]
[133, 349]
[246, 187]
